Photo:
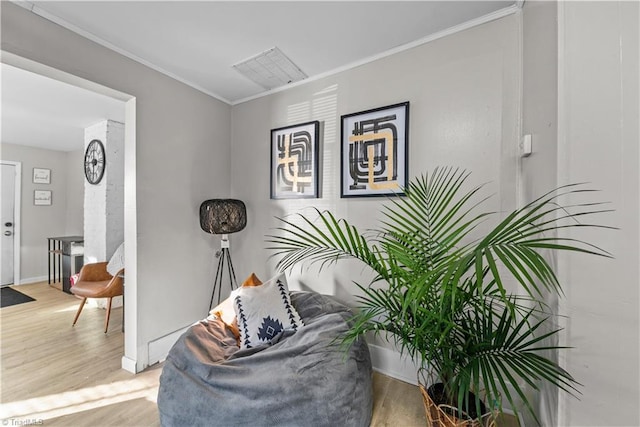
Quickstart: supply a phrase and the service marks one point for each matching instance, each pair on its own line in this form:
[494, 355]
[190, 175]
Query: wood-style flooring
[54, 374]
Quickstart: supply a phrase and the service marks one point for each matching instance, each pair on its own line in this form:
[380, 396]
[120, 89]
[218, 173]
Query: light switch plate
[527, 145]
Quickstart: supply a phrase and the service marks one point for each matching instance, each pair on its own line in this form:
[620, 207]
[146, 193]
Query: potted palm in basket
[441, 295]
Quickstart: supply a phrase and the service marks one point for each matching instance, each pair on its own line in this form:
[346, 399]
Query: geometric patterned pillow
[264, 311]
[225, 311]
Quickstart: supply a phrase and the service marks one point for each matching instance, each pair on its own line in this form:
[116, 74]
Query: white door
[7, 182]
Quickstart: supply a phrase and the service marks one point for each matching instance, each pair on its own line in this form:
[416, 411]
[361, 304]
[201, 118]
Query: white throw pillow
[264, 311]
[116, 263]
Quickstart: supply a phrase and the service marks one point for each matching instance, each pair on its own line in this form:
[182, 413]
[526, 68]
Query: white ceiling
[197, 42]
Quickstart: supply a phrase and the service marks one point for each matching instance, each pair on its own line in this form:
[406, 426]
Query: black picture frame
[295, 161]
[374, 151]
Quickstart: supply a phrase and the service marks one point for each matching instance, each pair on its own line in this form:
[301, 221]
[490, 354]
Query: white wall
[181, 158]
[40, 222]
[74, 225]
[539, 171]
[598, 143]
[464, 108]
[104, 201]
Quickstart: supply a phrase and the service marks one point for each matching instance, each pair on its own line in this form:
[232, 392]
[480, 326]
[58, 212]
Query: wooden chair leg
[79, 311]
[106, 323]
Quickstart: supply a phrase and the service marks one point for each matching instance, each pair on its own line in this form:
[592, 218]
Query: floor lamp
[223, 216]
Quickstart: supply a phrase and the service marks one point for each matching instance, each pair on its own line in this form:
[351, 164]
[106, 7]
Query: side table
[68, 249]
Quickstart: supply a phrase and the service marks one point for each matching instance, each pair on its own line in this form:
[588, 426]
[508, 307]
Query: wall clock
[94, 162]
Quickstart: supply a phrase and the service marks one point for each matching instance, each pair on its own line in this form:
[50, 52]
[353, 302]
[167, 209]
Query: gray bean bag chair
[302, 378]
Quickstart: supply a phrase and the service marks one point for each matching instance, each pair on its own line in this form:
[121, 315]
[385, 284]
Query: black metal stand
[223, 255]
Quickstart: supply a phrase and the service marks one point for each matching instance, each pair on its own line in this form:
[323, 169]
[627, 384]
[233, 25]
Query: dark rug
[9, 296]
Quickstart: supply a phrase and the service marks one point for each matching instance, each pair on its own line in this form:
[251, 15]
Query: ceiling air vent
[270, 69]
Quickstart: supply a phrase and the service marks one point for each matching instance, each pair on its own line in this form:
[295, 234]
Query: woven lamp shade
[223, 216]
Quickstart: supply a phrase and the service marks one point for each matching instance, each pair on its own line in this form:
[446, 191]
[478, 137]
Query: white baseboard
[159, 348]
[102, 302]
[391, 363]
[128, 365]
[29, 280]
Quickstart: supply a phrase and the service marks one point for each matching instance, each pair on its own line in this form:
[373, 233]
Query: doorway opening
[130, 308]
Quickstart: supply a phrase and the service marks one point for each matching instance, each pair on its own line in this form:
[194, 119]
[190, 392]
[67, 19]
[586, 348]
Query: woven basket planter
[441, 415]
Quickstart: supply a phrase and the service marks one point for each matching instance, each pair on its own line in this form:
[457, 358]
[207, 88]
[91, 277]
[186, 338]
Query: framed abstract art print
[374, 147]
[294, 161]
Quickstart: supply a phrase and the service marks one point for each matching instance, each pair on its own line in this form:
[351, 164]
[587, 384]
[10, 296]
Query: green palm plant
[441, 295]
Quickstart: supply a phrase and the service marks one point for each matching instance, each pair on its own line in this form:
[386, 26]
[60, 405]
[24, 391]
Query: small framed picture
[41, 176]
[374, 149]
[294, 161]
[42, 197]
